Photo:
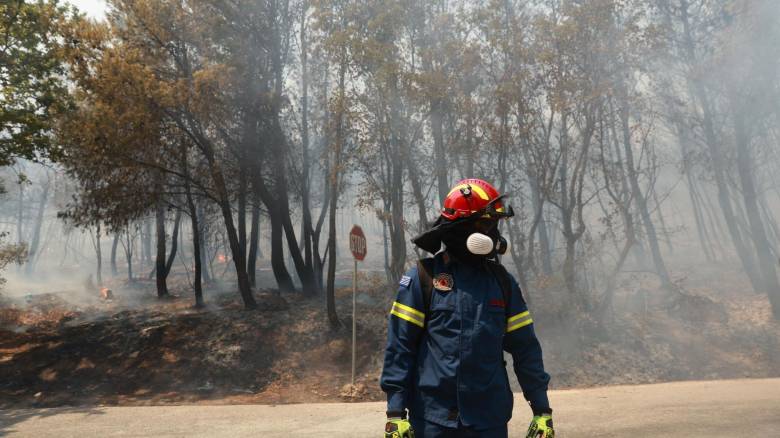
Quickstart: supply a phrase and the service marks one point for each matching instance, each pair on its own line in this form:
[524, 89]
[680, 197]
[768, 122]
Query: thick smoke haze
[207, 157]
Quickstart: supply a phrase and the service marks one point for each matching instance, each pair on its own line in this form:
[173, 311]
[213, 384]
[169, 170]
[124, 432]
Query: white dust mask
[480, 244]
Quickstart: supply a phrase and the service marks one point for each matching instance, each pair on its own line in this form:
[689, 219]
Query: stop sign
[357, 243]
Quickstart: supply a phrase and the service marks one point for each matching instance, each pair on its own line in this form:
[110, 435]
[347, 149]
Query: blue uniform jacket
[453, 370]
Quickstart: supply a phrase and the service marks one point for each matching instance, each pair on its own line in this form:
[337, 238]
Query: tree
[31, 79]
[10, 253]
[255, 110]
[692, 28]
[750, 67]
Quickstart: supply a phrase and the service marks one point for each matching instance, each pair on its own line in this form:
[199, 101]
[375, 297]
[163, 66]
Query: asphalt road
[732, 408]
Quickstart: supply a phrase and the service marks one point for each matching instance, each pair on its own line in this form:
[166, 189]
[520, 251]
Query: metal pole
[354, 323]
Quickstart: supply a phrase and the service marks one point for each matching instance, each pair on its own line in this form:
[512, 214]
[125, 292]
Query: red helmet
[472, 197]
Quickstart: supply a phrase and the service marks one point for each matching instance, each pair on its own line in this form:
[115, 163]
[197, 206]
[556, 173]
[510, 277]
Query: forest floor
[137, 350]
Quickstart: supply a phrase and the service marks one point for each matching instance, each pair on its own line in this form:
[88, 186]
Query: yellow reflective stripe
[409, 309]
[518, 316]
[520, 324]
[408, 314]
[406, 317]
[518, 321]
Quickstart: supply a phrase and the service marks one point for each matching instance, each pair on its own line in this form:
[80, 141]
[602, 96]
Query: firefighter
[455, 314]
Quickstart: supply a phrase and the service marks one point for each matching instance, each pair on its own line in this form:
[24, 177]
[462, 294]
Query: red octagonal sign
[357, 243]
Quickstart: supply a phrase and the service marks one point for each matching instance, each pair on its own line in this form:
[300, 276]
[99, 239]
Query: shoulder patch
[405, 281]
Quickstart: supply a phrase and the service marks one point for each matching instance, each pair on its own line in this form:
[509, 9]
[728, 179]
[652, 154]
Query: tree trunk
[606, 302]
[32, 254]
[254, 242]
[439, 151]
[306, 226]
[114, 245]
[278, 142]
[335, 163]
[317, 259]
[283, 279]
[571, 203]
[745, 167]
[196, 238]
[539, 224]
[197, 283]
[701, 226]
[204, 249]
[719, 233]
[771, 223]
[386, 244]
[569, 268]
[569, 271]
[624, 200]
[662, 223]
[239, 259]
[698, 91]
[333, 318]
[99, 255]
[241, 218]
[223, 200]
[305, 273]
[541, 227]
[417, 191]
[397, 231]
[516, 252]
[20, 214]
[129, 255]
[640, 200]
[174, 243]
[279, 210]
[146, 243]
[470, 155]
[437, 92]
[161, 274]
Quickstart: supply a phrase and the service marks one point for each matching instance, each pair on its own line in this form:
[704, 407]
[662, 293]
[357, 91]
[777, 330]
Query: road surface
[732, 408]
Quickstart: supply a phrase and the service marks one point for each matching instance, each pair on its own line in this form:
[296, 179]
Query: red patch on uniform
[443, 282]
[497, 303]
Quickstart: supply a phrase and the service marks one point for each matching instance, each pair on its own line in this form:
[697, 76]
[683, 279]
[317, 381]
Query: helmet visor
[494, 211]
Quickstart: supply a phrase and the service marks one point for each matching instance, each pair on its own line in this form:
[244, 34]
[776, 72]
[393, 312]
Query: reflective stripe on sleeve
[408, 314]
[518, 321]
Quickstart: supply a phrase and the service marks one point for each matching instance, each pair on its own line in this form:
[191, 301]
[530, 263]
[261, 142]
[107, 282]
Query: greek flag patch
[405, 281]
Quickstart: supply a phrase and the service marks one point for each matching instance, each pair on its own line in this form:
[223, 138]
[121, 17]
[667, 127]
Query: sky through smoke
[93, 8]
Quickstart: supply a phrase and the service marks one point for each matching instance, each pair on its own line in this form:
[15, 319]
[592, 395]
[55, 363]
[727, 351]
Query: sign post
[357, 245]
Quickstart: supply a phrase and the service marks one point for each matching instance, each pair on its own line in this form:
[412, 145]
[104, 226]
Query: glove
[541, 427]
[398, 428]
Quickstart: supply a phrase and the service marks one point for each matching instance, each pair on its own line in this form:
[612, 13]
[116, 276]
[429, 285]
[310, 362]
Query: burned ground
[53, 353]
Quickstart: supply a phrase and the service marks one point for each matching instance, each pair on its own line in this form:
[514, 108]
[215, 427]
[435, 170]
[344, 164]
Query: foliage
[31, 78]
[574, 107]
[10, 253]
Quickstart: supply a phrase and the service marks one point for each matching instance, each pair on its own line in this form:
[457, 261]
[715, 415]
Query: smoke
[639, 148]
